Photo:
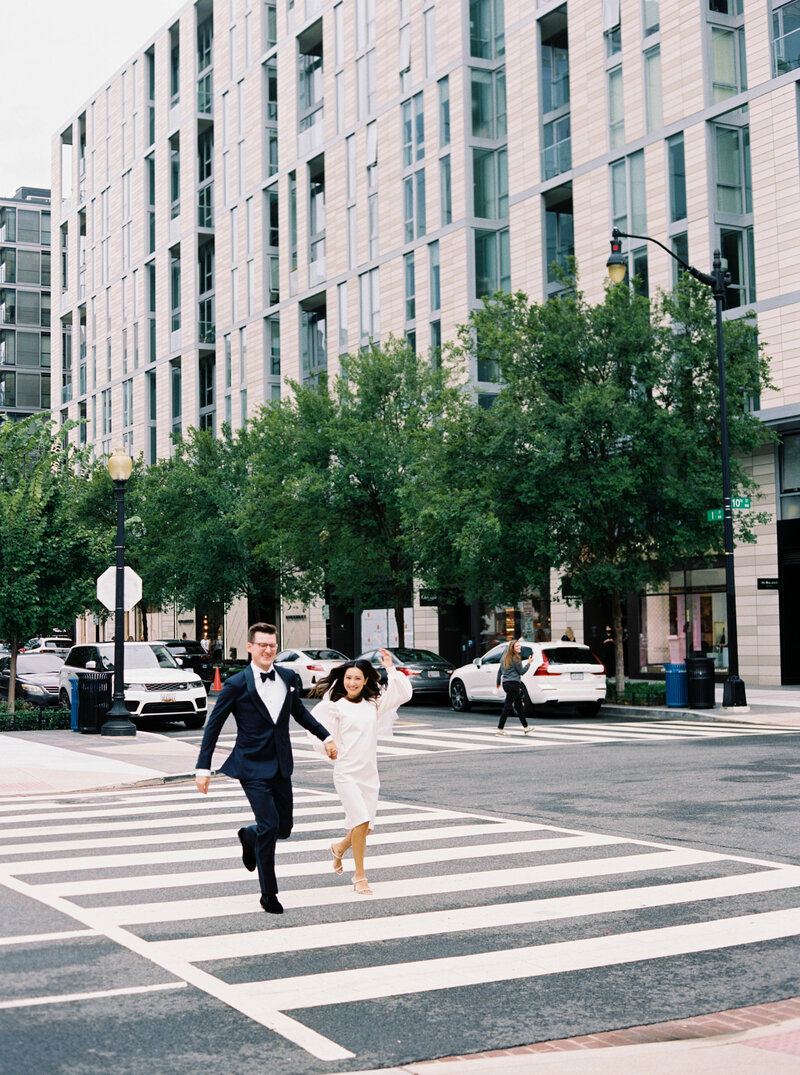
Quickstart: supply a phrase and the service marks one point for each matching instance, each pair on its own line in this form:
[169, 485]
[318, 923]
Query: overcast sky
[56, 53]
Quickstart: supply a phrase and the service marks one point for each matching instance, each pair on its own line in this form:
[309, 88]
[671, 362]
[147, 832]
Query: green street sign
[738, 503]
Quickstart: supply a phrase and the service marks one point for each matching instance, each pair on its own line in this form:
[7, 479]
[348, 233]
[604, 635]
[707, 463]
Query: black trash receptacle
[700, 682]
[94, 700]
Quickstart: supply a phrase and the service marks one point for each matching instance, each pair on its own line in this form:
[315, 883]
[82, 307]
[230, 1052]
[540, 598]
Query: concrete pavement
[48, 762]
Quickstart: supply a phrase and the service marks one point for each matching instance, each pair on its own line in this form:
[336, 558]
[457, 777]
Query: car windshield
[142, 656]
[37, 663]
[568, 655]
[324, 655]
[418, 656]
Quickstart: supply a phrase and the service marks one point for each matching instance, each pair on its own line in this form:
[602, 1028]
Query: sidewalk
[764, 1039]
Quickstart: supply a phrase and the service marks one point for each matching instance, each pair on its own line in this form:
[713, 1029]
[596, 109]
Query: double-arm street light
[617, 264]
[117, 721]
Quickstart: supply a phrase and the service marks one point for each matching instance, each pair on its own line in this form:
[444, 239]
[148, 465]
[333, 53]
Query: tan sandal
[361, 886]
[336, 859]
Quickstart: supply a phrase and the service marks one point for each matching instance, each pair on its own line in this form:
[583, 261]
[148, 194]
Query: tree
[611, 415]
[330, 475]
[49, 559]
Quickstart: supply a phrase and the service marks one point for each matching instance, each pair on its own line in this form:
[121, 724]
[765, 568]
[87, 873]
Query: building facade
[264, 186]
[25, 303]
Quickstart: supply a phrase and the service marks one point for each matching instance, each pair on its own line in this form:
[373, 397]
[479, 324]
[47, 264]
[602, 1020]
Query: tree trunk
[144, 622]
[619, 649]
[399, 619]
[12, 682]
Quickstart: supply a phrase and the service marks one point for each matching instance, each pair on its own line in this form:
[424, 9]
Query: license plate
[167, 697]
[435, 675]
[576, 675]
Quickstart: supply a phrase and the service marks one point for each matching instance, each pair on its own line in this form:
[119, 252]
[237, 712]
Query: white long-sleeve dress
[354, 727]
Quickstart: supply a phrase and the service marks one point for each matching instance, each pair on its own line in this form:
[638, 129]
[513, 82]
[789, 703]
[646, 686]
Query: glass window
[652, 89]
[445, 191]
[616, 109]
[486, 29]
[490, 183]
[410, 287]
[729, 73]
[649, 16]
[786, 38]
[733, 170]
[492, 262]
[677, 178]
[434, 283]
[27, 226]
[444, 111]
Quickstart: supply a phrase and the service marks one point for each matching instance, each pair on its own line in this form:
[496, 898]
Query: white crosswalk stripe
[143, 868]
[418, 737]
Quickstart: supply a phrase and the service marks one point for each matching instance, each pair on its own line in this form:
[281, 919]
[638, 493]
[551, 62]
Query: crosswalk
[460, 899]
[420, 737]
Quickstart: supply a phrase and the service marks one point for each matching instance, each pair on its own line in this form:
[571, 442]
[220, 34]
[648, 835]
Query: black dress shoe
[272, 904]
[248, 852]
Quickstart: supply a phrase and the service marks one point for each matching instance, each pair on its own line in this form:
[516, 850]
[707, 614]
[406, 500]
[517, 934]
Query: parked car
[429, 673]
[60, 644]
[310, 664]
[566, 673]
[37, 677]
[191, 655]
[155, 684]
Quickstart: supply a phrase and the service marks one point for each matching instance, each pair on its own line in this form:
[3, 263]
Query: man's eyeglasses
[264, 645]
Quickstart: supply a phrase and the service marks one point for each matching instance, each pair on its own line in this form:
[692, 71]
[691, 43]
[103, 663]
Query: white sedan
[310, 664]
[563, 672]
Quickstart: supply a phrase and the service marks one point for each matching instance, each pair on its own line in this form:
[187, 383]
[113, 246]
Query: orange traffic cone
[217, 684]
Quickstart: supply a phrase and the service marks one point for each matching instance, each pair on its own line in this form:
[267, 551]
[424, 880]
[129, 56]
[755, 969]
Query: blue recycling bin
[677, 684]
[73, 708]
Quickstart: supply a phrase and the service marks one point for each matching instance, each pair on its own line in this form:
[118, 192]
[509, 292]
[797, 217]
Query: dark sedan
[192, 656]
[429, 673]
[37, 677]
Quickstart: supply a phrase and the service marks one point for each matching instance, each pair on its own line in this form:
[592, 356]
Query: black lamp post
[733, 693]
[117, 721]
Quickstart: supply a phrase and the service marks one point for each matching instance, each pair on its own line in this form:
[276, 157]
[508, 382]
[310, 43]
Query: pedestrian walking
[568, 635]
[261, 699]
[353, 708]
[509, 674]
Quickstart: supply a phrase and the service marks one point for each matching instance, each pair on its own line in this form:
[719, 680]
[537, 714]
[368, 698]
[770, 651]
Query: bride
[351, 708]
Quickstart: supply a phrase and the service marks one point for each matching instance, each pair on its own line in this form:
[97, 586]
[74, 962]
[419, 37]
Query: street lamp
[733, 693]
[117, 721]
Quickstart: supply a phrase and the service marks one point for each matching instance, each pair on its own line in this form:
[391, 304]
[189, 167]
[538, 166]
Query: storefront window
[528, 618]
[691, 614]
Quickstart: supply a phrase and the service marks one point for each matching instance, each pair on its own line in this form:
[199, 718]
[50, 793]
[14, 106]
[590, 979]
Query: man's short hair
[261, 628]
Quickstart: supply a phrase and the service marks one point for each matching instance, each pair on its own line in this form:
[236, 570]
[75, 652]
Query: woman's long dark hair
[334, 681]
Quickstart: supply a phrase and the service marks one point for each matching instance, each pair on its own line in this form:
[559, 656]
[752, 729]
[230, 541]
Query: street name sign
[738, 503]
[107, 589]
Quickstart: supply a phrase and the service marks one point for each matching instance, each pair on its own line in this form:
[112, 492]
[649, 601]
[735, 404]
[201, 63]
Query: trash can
[73, 705]
[675, 677]
[94, 700]
[700, 682]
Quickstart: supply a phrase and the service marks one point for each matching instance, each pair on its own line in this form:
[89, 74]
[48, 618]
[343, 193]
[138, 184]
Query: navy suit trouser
[271, 802]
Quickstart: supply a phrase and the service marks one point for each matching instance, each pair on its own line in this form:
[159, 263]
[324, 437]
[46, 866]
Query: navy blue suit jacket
[263, 748]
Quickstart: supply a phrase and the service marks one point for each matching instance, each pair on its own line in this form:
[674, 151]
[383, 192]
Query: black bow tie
[268, 675]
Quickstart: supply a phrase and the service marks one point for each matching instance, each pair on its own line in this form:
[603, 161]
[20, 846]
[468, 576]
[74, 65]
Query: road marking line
[128, 914]
[320, 867]
[32, 1002]
[462, 919]
[33, 938]
[427, 975]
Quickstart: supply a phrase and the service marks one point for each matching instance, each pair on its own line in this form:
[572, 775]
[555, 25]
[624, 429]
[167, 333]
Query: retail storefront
[689, 615]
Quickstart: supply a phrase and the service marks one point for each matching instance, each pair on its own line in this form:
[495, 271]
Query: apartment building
[264, 186]
[24, 303]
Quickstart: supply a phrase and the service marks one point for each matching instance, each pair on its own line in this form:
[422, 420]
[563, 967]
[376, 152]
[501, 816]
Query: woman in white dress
[351, 707]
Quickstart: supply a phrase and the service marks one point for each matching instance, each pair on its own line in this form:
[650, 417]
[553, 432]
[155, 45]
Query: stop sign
[107, 588]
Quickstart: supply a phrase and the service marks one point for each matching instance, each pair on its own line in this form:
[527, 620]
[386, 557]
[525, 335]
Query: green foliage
[332, 477]
[601, 454]
[48, 556]
[28, 719]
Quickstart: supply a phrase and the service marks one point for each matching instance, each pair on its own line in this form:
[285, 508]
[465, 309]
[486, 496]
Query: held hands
[386, 659]
[202, 783]
[331, 750]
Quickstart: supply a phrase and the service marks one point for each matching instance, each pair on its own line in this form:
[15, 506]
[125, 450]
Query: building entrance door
[790, 621]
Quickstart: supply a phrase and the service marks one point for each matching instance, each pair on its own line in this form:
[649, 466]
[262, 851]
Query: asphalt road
[596, 822]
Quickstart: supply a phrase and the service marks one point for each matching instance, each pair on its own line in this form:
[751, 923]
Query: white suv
[563, 672]
[155, 684]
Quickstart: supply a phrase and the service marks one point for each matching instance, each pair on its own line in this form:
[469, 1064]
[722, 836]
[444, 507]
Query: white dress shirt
[272, 692]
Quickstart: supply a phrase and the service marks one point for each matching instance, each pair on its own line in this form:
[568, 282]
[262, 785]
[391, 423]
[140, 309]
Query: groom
[261, 699]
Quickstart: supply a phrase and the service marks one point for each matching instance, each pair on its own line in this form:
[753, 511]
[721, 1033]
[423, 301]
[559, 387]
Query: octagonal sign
[107, 588]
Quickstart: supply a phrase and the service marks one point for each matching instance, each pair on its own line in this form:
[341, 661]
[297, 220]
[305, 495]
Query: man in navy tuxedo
[261, 699]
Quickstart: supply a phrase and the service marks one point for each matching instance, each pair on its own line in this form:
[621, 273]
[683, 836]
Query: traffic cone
[217, 684]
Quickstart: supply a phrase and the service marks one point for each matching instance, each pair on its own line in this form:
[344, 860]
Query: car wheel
[589, 709]
[63, 698]
[459, 699]
[194, 722]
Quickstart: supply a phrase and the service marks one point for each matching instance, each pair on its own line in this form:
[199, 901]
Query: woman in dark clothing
[510, 674]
